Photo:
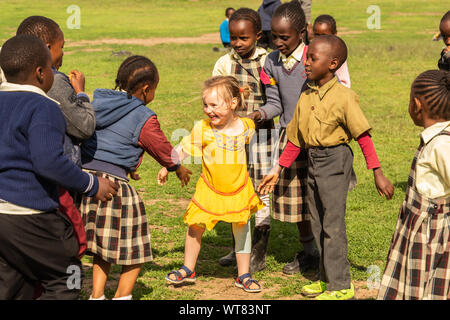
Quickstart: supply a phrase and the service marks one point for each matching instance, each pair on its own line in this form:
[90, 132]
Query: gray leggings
[242, 237]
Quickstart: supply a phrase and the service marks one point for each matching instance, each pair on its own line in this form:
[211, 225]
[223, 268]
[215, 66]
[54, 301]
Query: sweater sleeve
[77, 110]
[290, 153]
[368, 150]
[46, 136]
[273, 106]
[153, 140]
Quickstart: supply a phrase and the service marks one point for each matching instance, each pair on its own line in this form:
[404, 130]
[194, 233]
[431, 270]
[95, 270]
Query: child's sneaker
[314, 289]
[344, 294]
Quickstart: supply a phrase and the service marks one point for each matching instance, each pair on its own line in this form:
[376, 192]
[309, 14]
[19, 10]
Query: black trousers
[329, 176]
[39, 248]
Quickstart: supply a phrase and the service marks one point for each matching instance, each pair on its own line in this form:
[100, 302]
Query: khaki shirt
[326, 116]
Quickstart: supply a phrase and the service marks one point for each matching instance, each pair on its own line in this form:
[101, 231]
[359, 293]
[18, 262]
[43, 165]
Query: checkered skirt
[418, 260]
[117, 230]
[289, 195]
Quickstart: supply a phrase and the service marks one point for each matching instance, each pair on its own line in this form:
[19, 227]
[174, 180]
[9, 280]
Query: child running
[418, 262]
[245, 62]
[284, 78]
[118, 233]
[37, 241]
[325, 24]
[224, 191]
[330, 161]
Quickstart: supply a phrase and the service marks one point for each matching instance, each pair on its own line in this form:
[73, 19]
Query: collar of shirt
[296, 56]
[258, 52]
[432, 131]
[8, 86]
[323, 89]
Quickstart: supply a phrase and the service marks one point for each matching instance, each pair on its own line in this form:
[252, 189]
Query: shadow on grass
[402, 185]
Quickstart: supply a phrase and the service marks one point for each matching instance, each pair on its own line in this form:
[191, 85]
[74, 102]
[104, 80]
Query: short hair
[434, 87]
[134, 72]
[229, 88]
[327, 19]
[293, 12]
[249, 15]
[21, 55]
[227, 10]
[338, 48]
[42, 27]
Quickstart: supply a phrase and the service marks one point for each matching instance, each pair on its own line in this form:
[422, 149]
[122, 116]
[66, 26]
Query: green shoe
[345, 294]
[314, 289]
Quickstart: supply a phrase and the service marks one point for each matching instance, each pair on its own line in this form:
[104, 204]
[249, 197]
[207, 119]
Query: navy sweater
[32, 164]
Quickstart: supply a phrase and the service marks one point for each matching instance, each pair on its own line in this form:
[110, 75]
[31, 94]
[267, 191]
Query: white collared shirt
[433, 163]
[225, 62]
[296, 56]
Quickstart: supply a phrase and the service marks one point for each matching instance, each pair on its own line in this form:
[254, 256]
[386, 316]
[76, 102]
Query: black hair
[44, 28]
[249, 15]
[293, 12]
[134, 72]
[434, 87]
[327, 19]
[338, 48]
[21, 55]
[227, 10]
[446, 16]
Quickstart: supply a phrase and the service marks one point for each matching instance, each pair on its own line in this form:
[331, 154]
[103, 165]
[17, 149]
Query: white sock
[99, 298]
[130, 297]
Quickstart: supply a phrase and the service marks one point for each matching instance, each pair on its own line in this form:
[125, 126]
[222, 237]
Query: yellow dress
[224, 191]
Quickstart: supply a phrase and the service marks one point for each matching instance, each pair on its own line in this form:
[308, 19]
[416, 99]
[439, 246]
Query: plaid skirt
[289, 195]
[117, 231]
[418, 265]
[259, 152]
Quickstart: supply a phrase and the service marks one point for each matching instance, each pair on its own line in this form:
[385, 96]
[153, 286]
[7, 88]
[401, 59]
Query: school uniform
[418, 260]
[326, 119]
[37, 241]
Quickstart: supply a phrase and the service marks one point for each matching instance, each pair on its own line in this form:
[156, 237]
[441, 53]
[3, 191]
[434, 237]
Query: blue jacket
[119, 121]
[224, 32]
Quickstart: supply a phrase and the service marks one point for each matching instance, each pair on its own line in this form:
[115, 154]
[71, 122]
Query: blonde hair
[228, 88]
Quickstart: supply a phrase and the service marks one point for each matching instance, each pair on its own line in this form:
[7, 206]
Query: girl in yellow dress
[224, 191]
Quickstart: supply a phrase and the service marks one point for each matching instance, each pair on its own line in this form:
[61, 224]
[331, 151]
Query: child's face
[243, 38]
[56, 50]
[321, 29]
[318, 61]
[216, 108]
[285, 38]
[444, 27]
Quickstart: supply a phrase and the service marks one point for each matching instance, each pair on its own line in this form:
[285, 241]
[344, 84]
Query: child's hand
[163, 176]
[77, 80]
[134, 175]
[268, 183]
[183, 174]
[106, 189]
[384, 186]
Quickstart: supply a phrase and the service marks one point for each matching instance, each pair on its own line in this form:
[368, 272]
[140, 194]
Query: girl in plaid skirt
[245, 62]
[418, 264]
[118, 232]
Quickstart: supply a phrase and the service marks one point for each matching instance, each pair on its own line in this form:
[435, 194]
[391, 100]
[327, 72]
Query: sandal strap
[187, 270]
[249, 282]
[245, 275]
[177, 274]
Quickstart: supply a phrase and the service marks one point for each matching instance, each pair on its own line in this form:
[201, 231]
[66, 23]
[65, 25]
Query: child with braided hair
[418, 260]
[118, 233]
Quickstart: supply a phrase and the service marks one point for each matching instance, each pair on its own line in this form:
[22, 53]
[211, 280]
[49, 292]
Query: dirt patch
[212, 38]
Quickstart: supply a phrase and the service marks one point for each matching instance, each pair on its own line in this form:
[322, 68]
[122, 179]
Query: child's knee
[242, 236]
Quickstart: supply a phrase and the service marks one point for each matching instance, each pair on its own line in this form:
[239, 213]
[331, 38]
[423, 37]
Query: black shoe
[259, 248]
[228, 260]
[302, 263]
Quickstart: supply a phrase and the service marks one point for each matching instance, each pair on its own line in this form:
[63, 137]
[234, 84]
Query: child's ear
[333, 66]
[258, 35]
[39, 73]
[234, 103]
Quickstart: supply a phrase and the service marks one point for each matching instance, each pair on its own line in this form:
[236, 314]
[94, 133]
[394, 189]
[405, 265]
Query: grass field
[382, 65]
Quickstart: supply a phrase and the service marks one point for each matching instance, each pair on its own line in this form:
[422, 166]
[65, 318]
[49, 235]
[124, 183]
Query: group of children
[59, 139]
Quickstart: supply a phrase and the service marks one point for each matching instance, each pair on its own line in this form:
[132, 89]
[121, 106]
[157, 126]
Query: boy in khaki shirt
[327, 118]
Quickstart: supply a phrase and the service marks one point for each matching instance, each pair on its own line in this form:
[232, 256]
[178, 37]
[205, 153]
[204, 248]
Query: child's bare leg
[191, 248]
[100, 272]
[127, 280]
[243, 263]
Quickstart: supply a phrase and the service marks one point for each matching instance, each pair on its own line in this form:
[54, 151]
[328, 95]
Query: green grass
[382, 65]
